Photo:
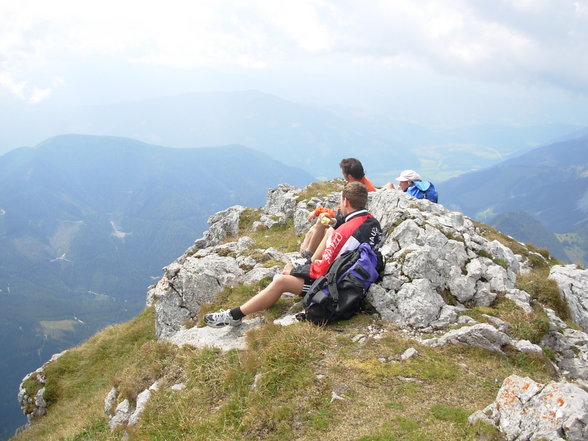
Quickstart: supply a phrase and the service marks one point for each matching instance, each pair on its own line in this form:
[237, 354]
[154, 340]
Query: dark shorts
[303, 272]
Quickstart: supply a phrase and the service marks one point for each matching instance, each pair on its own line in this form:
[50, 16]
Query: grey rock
[121, 415]
[521, 298]
[229, 337]
[257, 274]
[527, 347]
[221, 225]
[573, 284]
[281, 201]
[110, 401]
[527, 410]
[198, 281]
[142, 400]
[501, 325]
[409, 353]
[416, 304]
[481, 335]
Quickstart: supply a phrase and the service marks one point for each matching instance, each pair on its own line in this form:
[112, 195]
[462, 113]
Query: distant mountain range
[86, 224]
[528, 229]
[548, 184]
[301, 135]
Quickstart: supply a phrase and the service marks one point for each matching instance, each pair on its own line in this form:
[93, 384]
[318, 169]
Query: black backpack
[339, 294]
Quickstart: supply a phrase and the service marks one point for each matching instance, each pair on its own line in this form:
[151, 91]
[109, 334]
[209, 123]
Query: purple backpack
[339, 294]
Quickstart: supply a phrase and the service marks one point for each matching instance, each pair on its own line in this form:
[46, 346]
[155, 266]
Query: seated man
[314, 242]
[411, 182]
[358, 226]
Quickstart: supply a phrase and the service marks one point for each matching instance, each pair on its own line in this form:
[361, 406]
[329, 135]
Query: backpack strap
[332, 279]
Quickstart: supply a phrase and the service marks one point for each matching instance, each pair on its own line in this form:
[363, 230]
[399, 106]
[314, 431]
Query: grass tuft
[545, 291]
[320, 189]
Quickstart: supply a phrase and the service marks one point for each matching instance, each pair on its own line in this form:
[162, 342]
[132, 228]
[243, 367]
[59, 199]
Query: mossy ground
[295, 370]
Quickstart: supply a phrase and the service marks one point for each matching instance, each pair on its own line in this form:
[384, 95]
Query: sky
[428, 61]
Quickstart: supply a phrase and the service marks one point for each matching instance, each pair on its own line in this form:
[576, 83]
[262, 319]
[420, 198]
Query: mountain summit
[465, 322]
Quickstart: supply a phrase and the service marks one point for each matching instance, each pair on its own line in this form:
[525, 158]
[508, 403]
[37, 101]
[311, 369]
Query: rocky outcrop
[432, 251]
[573, 284]
[123, 413]
[179, 294]
[526, 410]
[569, 346]
[433, 255]
[438, 266]
[31, 392]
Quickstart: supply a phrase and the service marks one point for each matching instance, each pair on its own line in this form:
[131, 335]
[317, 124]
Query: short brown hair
[356, 193]
[353, 167]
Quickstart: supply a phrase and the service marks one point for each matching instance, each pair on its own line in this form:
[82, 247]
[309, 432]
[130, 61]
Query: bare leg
[306, 241]
[271, 293]
[318, 235]
[320, 249]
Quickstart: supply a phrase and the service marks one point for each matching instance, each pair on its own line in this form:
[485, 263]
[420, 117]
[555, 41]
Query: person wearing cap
[411, 182]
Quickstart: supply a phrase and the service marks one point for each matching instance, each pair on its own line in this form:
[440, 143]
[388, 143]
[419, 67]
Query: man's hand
[326, 221]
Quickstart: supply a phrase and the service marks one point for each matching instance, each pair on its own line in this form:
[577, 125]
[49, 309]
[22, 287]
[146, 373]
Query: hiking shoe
[220, 319]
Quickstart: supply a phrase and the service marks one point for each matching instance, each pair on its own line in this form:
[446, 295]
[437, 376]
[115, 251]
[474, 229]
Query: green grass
[295, 369]
[78, 382]
[544, 290]
[523, 326]
[280, 237]
[539, 258]
[321, 189]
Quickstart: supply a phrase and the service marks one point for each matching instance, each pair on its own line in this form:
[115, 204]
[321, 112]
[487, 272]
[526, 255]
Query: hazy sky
[433, 61]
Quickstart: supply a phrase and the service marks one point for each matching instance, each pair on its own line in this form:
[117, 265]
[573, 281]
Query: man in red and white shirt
[358, 227]
[313, 244]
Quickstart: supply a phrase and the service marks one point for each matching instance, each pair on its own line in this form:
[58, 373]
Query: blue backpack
[423, 190]
[339, 294]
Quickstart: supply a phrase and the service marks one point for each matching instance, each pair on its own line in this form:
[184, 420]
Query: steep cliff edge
[450, 287]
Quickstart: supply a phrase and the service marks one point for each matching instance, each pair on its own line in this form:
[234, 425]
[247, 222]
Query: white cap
[408, 175]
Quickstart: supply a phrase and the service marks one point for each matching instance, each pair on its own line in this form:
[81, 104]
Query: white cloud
[524, 41]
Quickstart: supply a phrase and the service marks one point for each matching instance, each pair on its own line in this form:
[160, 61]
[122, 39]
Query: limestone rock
[281, 201]
[142, 400]
[573, 284]
[481, 335]
[416, 304]
[36, 405]
[121, 415]
[196, 282]
[527, 410]
[425, 241]
[229, 337]
[570, 348]
[110, 401]
[222, 224]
